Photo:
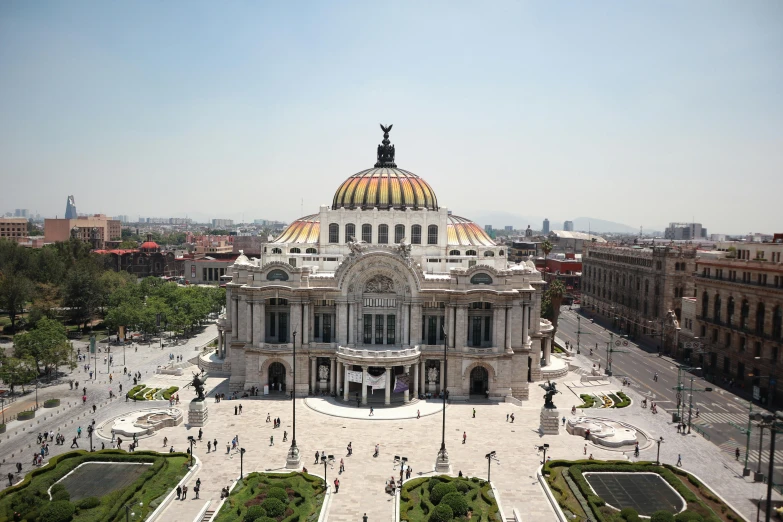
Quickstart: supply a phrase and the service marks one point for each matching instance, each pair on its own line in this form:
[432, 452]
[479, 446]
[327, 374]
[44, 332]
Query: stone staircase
[208, 514]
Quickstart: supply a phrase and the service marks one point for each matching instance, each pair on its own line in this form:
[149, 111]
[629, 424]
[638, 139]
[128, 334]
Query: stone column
[416, 381]
[442, 375]
[507, 328]
[313, 374]
[460, 329]
[348, 314]
[547, 349]
[258, 309]
[296, 321]
[387, 399]
[525, 319]
[306, 324]
[406, 324]
[364, 385]
[342, 323]
[249, 332]
[497, 333]
[346, 385]
[447, 322]
[261, 322]
[220, 343]
[422, 376]
[339, 371]
[234, 315]
[416, 326]
[333, 376]
[407, 394]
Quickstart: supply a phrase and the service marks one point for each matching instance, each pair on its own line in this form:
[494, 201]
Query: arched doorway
[479, 380]
[276, 377]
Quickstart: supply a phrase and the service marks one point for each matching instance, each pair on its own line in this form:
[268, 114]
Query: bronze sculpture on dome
[385, 150]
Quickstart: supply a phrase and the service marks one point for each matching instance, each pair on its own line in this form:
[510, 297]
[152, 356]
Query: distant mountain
[600, 225]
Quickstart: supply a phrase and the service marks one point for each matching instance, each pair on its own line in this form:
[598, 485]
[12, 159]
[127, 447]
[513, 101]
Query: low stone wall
[547, 374]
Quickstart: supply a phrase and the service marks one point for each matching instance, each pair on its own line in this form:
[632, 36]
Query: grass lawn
[420, 498]
[275, 496]
[31, 500]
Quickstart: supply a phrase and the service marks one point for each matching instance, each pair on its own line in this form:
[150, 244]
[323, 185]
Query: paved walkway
[348, 410]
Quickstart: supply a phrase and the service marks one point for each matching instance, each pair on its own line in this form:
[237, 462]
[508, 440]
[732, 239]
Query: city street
[722, 415]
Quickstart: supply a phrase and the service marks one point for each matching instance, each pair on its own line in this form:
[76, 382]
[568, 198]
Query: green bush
[25, 415]
[89, 503]
[434, 481]
[169, 392]
[51, 403]
[59, 511]
[441, 513]
[662, 516]
[456, 501]
[440, 490]
[688, 516]
[278, 493]
[266, 519]
[624, 400]
[254, 513]
[629, 514]
[273, 507]
[60, 494]
[461, 486]
[589, 401]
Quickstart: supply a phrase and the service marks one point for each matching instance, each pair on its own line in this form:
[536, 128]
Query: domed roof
[303, 230]
[385, 188]
[464, 232]
[149, 245]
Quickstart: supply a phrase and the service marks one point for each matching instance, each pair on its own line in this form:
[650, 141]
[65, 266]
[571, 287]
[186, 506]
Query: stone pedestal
[198, 413]
[323, 385]
[293, 459]
[442, 462]
[550, 421]
[432, 388]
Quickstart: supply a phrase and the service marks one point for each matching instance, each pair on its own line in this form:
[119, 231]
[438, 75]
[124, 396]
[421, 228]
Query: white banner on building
[377, 383]
[353, 376]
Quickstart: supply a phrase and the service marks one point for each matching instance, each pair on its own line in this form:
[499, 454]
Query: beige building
[636, 287]
[96, 229]
[739, 314]
[13, 228]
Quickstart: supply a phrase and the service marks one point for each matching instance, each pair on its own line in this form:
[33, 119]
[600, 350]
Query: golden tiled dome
[385, 188]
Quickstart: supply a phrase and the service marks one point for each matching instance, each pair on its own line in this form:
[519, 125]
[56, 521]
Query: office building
[13, 228]
[70, 208]
[568, 226]
[685, 231]
[545, 227]
[98, 230]
[222, 223]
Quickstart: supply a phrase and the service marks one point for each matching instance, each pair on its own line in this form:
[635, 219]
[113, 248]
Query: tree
[83, 294]
[547, 247]
[17, 371]
[555, 294]
[47, 345]
[15, 291]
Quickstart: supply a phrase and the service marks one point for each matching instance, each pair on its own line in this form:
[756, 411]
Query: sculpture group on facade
[379, 284]
[432, 375]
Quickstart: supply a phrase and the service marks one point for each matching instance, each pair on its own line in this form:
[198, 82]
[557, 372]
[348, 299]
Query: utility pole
[579, 332]
[690, 402]
[609, 351]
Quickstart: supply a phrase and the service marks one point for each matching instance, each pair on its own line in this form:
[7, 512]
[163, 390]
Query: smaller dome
[149, 245]
[304, 230]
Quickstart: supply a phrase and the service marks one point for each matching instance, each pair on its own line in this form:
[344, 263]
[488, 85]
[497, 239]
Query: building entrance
[479, 380]
[276, 377]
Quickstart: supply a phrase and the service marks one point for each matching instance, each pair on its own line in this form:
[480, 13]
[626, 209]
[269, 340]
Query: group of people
[275, 421]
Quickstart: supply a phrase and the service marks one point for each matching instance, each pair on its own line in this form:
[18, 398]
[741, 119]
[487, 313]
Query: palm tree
[556, 292]
[547, 247]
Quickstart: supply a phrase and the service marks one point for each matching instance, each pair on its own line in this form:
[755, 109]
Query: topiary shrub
[89, 503]
[59, 492]
[456, 501]
[433, 482]
[629, 514]
[25, 415]
[273, 507]
[266, 519]
[440, 490]
[51, 403]
[662, 516]
[461, 486]
[688, 516]
[254, 513]
[278, 493]
[60, 511]
[441, 513]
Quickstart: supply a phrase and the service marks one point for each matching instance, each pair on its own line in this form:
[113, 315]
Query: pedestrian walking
[679, 460]
[236, 409]
[196, 490]
[563, 420]
[372, 411]
[228, 448]
[506, 417]
[418, 414]
[317, 456]
[271, 440]
[474, 413]
[209, 446]
[200, 433]
[336, 485]
[10, 479]
[342, 466]
[74, 443]
[655, 377]
[350, 449]
[179, 492]
[512, 418]
[737, 454]
[240, 409]
[268, 418]
[165, 441]
[679, 427]
[585, 453]
[184, 492]
[464, 437]
[285, 436]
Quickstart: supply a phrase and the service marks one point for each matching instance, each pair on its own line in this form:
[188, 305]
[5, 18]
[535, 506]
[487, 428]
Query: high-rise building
[568, 226]
[222, 223]
[70, 208]
[97, 230]
[509, 228]
[21, 212]
[685, 231]
[545, 227]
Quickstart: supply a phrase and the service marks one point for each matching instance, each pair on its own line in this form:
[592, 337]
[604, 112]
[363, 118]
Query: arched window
[716, 308]
[383, 234]
[705, 304]
[481, 279]
[367, 233]
[334, 233]
[760, 318]
[311, 251]
[453, 252]
[470, 253]
[295, 251]
[777, 322]
[277, 275]
[277, 251]
[730, 311]
[501, 253]
[399, 233]
[416, 235]
[432, 235]
[489, 253]
[350, 232]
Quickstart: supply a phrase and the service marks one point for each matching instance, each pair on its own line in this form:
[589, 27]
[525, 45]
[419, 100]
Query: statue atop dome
[386, 149]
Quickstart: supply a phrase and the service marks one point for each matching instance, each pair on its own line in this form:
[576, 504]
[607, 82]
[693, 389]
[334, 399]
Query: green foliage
[47, 345]
[588, 401]
[274, 508]
[440, 490]
[662, 516]
[629, 514]
[88, 503]
[441, 513]
[461, 485]
[456, 501]
[59, 492]
[57, 511]
[18, 371]
[254, 513]
[169, 392]
[688, 516]
[15, 291]
[624, 400]
[434, 481]
[278, 493]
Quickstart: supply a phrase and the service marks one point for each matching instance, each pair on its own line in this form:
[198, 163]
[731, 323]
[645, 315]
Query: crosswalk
[718, 418]
[730, 446]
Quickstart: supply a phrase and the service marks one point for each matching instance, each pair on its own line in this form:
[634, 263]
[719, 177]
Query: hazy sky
[641, 112]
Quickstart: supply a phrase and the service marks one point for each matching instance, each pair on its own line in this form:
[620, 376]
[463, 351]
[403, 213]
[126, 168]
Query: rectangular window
[728, 340]
[292, 261]
[757, 349]
[487, 328]
[390, 325]
[326, 336]
[204, 274]
[283, 335]
[432, 334]
[432, 235]
[272, 329]
[379, 329]
[367, 329]
[334, 233]
[399, 233]
[441, 330]
[740, 372]
[726, 365]
[367, 233]
[317, 326]
[416, 234]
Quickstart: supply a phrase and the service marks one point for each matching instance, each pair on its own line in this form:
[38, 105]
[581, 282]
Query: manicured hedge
[169, 392]
[589, 401]
[51, 403]
[26, 415]
[624, 400]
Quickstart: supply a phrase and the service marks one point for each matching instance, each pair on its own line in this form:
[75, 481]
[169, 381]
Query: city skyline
[641, 115]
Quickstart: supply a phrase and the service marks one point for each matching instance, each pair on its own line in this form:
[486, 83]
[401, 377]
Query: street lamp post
[2, 406]
[490, 457]
[442, 464]
[543, 448]
[293, 459]
[36, 393]
[323, 461]
[129, 513]
[89, 432]
[241, 455]
[192, 441]
[658, 457]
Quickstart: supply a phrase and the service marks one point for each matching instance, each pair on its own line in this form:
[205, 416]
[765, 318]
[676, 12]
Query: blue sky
[641, 113]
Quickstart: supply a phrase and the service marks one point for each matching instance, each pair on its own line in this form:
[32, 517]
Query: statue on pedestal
[550, 390]
[198, 385]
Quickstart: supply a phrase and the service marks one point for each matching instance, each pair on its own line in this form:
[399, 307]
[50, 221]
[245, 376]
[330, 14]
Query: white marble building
[380, 309]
